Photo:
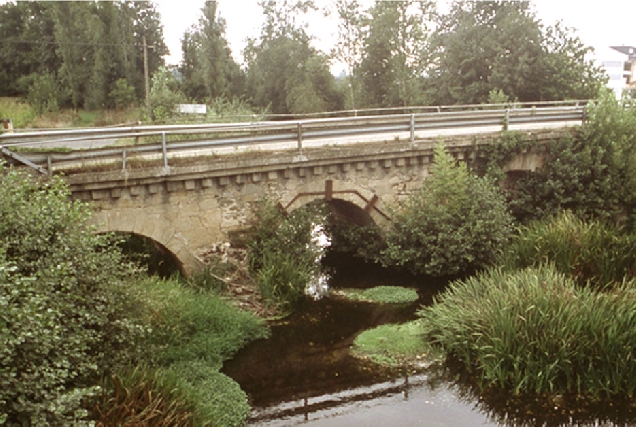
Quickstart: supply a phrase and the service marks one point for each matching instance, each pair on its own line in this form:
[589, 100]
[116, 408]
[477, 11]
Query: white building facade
[619, 63]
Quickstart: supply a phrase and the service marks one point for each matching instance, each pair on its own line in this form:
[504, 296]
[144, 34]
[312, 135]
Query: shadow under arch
[149, 254]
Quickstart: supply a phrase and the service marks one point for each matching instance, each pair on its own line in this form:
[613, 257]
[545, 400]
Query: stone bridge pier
[199, 204]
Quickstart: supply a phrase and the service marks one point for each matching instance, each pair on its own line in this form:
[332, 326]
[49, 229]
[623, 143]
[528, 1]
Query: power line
[44, 42]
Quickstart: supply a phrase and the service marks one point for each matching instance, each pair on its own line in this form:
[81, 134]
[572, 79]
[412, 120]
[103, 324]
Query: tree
[66, 315]
[502, 46]
[395, 53]
[348, 48]
[456, 224]
[284, 72]
[208, 69]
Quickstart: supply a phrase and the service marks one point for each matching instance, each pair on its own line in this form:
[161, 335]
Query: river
[304, 373]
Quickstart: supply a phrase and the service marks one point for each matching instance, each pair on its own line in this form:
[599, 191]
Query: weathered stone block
[100, 194]
[173, 186]
[317, 170]
[115, 193]
[190, 185]
[224, 180]
[272, 175]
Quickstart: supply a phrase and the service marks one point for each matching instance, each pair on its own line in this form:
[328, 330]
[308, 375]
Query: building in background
[619, 63]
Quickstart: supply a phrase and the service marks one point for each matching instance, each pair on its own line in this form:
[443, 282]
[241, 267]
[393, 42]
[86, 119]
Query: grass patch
[193, 331]
[536, 331]
[393, 344]
[20, 112]
[382, 294]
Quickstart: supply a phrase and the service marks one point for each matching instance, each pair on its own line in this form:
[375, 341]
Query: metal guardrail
[163, 142]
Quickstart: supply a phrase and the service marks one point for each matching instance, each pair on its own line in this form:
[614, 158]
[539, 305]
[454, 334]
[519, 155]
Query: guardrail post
[300, 138]
[506, 120]
[49, 165]
[412, 129]
[164, 148]
[123, 155]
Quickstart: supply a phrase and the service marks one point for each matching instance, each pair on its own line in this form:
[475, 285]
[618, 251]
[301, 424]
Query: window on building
[612, 64]
[627, 66]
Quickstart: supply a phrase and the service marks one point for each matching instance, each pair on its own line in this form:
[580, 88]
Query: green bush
[536, 331]
[591, 172]
[588, 251]
[282, 256]
[458, 223]
[66, 314]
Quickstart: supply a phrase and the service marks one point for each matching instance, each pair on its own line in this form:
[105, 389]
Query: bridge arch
[154, 228]
[331, 190]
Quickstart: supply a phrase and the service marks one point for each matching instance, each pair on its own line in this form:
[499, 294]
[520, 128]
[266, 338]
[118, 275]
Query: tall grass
[20, 112]
[535, 331]
[193, 331]
[588, 251]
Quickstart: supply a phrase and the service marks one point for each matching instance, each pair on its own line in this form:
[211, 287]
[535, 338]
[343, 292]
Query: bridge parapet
[192, 207]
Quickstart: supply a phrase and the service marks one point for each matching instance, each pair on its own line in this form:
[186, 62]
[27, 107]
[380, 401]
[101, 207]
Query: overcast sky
[599, 23]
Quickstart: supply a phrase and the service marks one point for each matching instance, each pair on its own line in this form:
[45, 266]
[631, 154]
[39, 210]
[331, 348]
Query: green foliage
[391, 344]
[66, 314]
[21, 113]
[285, 73]
[282, 256]
[43, 93]
[123, 95]
[195, 326]
[501, 45]
[383, 294]
[458, 223]
[395, 53]
[217, 399]
[592, 173]
[88, 46]
[164, 95]
[586, 251]
[536, 331]
[142, 397]
[208, 69]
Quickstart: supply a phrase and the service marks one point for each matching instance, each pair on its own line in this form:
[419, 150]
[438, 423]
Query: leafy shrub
[458, 223]
[123, 95]
[65, 312]
[587, 251]
[282, 256]
[536, 331]
[591, 173]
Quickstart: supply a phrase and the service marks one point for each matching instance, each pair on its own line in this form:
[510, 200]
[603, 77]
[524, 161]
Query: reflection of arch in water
[150, 254]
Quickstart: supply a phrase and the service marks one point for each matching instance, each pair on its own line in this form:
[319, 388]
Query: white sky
[599, 23]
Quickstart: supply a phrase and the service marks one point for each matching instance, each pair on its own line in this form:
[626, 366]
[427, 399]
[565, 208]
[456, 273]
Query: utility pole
[147, 82]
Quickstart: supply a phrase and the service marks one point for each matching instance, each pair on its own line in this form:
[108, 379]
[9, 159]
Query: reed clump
[535, 330]
[591, 252]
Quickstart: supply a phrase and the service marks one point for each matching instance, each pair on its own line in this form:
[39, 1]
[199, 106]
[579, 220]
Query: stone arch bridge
[191, 208]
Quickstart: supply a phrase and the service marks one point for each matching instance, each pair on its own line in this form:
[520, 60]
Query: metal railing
[121, 144]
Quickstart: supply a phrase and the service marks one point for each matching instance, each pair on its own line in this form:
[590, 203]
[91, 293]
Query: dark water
[304, 375]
